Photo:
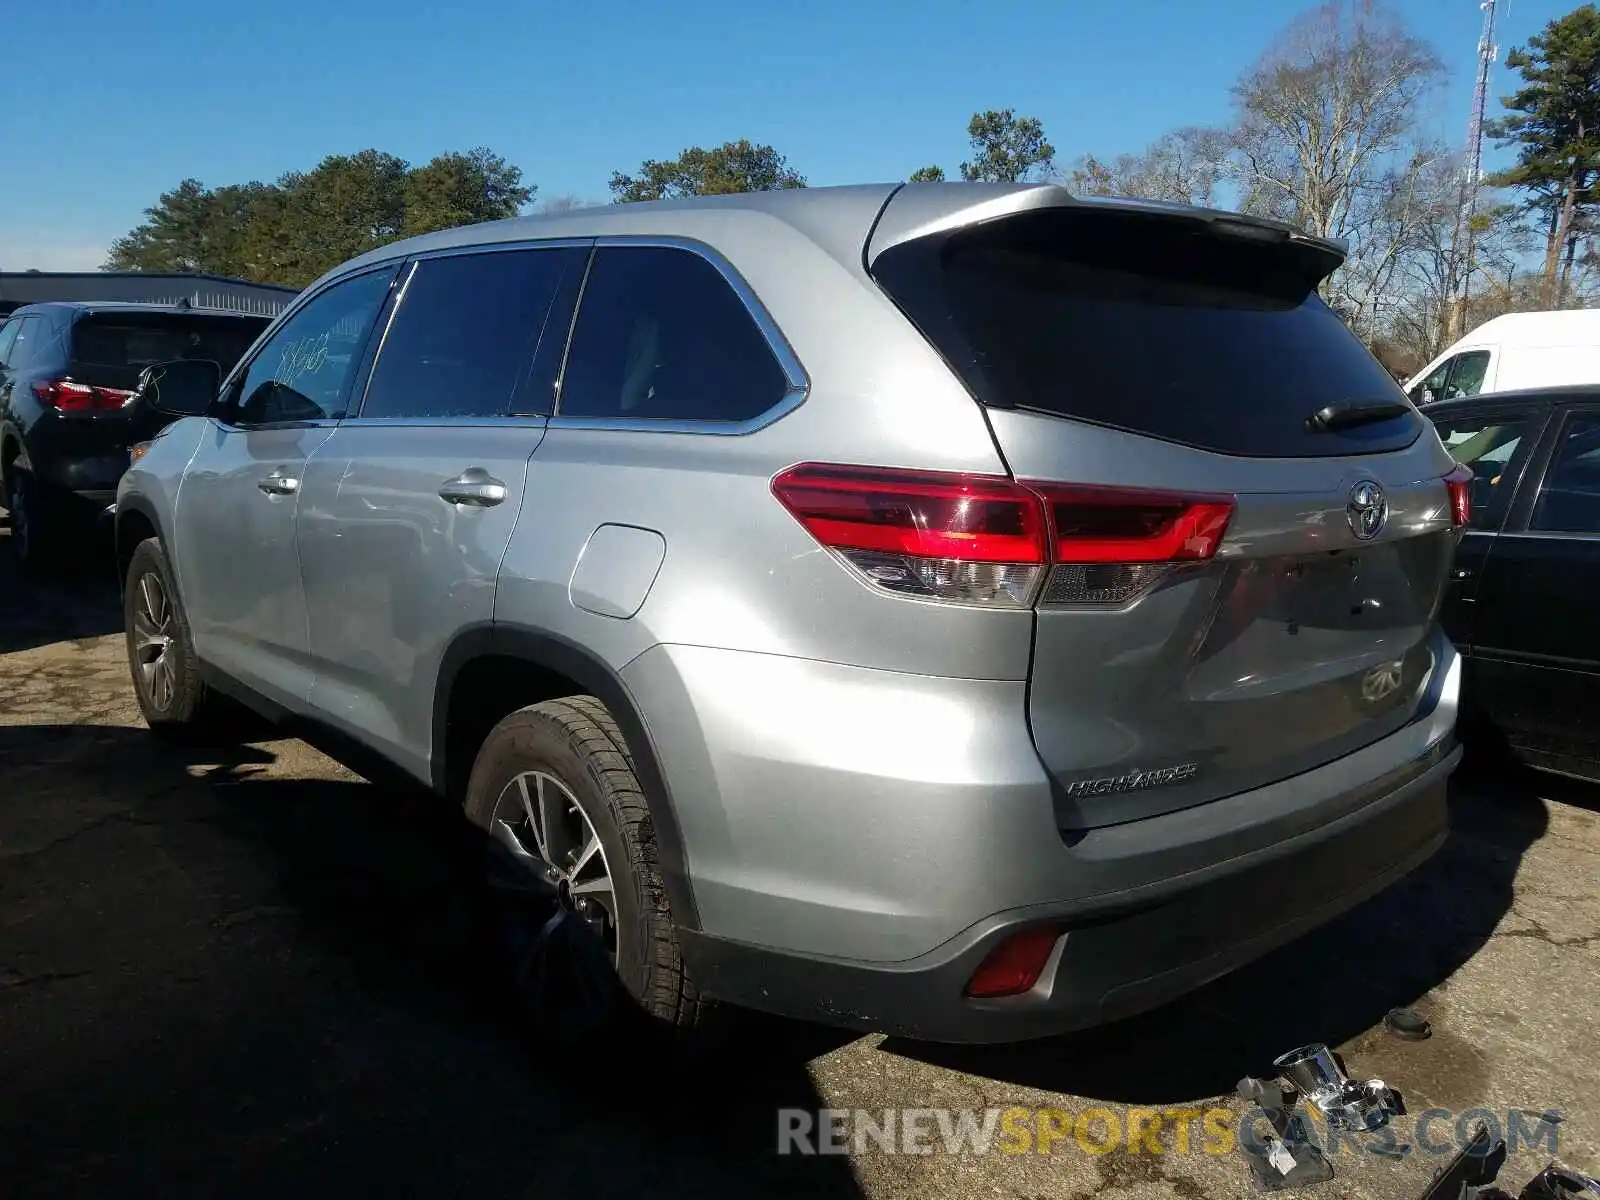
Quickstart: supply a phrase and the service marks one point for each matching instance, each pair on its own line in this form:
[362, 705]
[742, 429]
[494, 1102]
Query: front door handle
[279, 484]
[475, 487]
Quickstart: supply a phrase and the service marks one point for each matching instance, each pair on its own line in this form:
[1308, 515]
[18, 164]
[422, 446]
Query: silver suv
[955, 610]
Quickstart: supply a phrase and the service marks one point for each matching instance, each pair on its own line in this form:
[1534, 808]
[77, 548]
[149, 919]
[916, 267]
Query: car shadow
[1332, 985]
[79, 600]
[217, 981]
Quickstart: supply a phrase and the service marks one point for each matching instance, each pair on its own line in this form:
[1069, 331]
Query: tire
[36, 520]
[577, 970]
[166, 681]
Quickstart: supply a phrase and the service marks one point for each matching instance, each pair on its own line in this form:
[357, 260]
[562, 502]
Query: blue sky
[107, 103]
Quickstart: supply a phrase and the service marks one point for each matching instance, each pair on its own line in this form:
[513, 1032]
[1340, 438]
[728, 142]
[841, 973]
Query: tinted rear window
[137, 340]
[1144, 323]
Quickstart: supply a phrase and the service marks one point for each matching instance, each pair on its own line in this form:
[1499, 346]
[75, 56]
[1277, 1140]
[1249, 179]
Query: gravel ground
[251, 972]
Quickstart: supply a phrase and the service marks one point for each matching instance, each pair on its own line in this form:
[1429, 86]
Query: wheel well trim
[552, 652]
[143, 507]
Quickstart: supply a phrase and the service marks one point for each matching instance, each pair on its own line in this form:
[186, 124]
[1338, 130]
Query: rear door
[1252, 529]
[407, 509]
[1495, 442]
[1536, 639]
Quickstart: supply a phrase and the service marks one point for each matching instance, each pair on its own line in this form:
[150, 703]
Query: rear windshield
[1146, 323]
[137, 340]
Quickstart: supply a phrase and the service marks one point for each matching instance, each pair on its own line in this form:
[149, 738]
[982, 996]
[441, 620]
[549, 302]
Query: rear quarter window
[1144, 323]
[661, 335]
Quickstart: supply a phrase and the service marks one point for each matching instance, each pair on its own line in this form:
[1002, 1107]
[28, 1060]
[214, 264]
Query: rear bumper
[858, 840]
[82, 455]
[1118, 955]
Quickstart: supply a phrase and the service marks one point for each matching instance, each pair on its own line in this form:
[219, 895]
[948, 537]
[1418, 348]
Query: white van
[1518, 350]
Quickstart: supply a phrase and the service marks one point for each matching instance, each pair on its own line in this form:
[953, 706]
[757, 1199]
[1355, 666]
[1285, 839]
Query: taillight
[1014, 966]
[1459, 483]
[68, 395]
[940, 535]
[982, 539]
[1111, 544]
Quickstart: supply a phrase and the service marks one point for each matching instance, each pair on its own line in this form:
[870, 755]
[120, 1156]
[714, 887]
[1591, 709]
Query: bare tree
[1325, 114]
[1184, 167]
[1419, 312]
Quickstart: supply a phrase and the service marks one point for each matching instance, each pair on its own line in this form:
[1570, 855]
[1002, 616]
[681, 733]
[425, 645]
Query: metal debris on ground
[1316, 1075]
[1288, 1157]
[1469, 1173]
[1556, 1182]
[1407, 1024]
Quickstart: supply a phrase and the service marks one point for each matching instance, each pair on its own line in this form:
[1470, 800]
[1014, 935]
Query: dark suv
[68, 414]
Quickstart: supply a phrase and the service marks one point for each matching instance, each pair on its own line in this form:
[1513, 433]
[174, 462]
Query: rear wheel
[578, 902]
[35, 523]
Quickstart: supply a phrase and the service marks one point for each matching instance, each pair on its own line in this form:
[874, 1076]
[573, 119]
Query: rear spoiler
[919, 210]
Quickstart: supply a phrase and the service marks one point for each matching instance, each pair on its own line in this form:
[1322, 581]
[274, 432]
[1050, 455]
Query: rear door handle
[475, 487]
[279, 484]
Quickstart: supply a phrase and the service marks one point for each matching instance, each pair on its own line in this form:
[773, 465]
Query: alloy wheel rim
[558, 898]
[152, 641]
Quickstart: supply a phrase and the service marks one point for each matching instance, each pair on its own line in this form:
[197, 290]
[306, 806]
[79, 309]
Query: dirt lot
[248, 972]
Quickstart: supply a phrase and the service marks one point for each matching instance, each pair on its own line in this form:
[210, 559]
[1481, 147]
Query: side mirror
[184, 388]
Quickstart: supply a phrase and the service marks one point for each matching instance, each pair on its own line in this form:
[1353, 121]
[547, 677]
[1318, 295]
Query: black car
[68, 375]
[1524, 600]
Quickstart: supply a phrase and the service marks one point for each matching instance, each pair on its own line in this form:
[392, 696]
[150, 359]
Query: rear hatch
[110, 348]
[1250, 523]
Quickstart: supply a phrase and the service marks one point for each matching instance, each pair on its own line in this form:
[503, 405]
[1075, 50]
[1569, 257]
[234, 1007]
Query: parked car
[1512, 352]
[1522, 600]
[68, 372]
[923, 608]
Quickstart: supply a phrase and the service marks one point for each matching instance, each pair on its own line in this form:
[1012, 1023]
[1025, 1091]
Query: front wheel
[161, 659]
[578, 901]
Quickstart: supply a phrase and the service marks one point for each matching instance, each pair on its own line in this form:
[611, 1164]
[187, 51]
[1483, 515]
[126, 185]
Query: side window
[1432, 388]
[8, 335]
[25, 341]
[1487, 444]
[661, 335]
[466, 331]
[1569, 501]
[303, 372]
[1466, 379]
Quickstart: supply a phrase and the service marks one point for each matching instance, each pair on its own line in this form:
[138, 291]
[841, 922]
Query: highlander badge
[1133, 781]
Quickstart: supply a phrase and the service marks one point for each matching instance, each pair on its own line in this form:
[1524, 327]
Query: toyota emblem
[1367, 511]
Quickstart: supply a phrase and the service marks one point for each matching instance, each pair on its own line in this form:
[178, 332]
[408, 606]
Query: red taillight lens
[1015, 965]
[976, 518]
[68, 395]
[983, 539]
[1459, 482]
[940, 535]
[1114, 525]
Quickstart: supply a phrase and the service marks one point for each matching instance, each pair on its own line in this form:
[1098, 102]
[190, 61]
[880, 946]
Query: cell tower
[1472, 173]
[1488, 52]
